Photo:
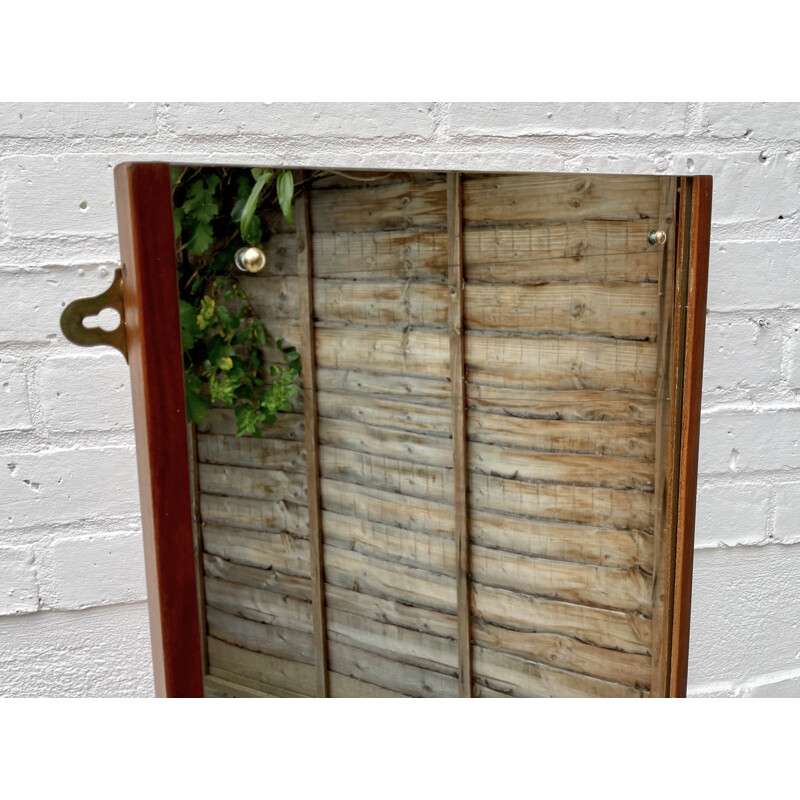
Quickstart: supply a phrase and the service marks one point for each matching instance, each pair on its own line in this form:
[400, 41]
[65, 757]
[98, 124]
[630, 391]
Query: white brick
[751, 120]
[792, 363]
[787, 513]
[16, 415]
[92, 571]
[67, 486]
[45, 196]
[69, 120]
[102, 652]
[714, 690]
[567, 119]
[757, 275]
[19, 592]
[788, 687]
[33, 301]
[741, 355]
[354, 120]
[731, 514]
[750, 440]
[86, 391]
[745, 607]
[746, 188]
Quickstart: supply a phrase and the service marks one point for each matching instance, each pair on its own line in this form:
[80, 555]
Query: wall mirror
[414, 433]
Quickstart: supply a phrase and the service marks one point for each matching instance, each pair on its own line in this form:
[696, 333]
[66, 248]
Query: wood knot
[577, 310]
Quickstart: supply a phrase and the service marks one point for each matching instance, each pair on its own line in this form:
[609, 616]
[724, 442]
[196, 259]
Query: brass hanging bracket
[76, 312]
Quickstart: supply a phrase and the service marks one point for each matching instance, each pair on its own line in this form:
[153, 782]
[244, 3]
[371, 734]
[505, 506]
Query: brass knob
[657, 237]
[250, 259]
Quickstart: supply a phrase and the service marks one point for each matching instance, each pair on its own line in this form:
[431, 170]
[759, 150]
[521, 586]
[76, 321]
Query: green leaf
[200, 203]
[285, 189]
[177, 219]
[249, 209]
[207, 307]
[197, 406]
[259, 334]
[253, 233]
[243, 187]
[238, 208]
[190, 332]
[202, 239]
[223, 315]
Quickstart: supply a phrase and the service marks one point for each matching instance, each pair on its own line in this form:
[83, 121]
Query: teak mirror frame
[144, 207]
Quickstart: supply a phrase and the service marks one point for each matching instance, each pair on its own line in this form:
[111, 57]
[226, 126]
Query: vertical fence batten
[307, 354]
[455, 324]
[665, 437]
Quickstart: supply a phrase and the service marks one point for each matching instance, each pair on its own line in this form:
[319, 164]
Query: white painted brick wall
[72, 620]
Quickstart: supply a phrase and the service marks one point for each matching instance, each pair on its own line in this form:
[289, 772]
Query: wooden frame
[153, 336]
[150, 296]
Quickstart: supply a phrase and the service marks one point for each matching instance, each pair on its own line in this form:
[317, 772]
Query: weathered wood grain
[257, 483]
[611, 309]
[345, 686]
[622, 589]
[433, 391]
[524, 678]
[271, 639]
[247, 451]
[393, 612]
[259, 605]
[389, 641]
[582, 543]
[245, 512]
[366, 255]
[215, 687]
[402, 477]
[672, 314]
[241, 686]
[380, 302]
[562, 436]
[558, 362]
[379, 505]
[305, 269]
[421, 448]
[559, 198]
[576, 404]
[593, 505]
[393, 207]
[618, 588]
[604, 627]
[401, 546]
[421, 353]
[383, 579]
[618, 472]
[261, 577]
[274, 299]
[580, 250]
[260, 669]
[401, 413]
[396, 473]
[258, 548]
[630, 669]
[536, 362]
[404, 678]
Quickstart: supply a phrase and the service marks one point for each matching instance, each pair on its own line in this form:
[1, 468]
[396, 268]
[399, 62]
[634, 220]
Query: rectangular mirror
[482, 484]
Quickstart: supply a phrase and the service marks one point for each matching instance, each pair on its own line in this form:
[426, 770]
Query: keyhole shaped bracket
[77, 311]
